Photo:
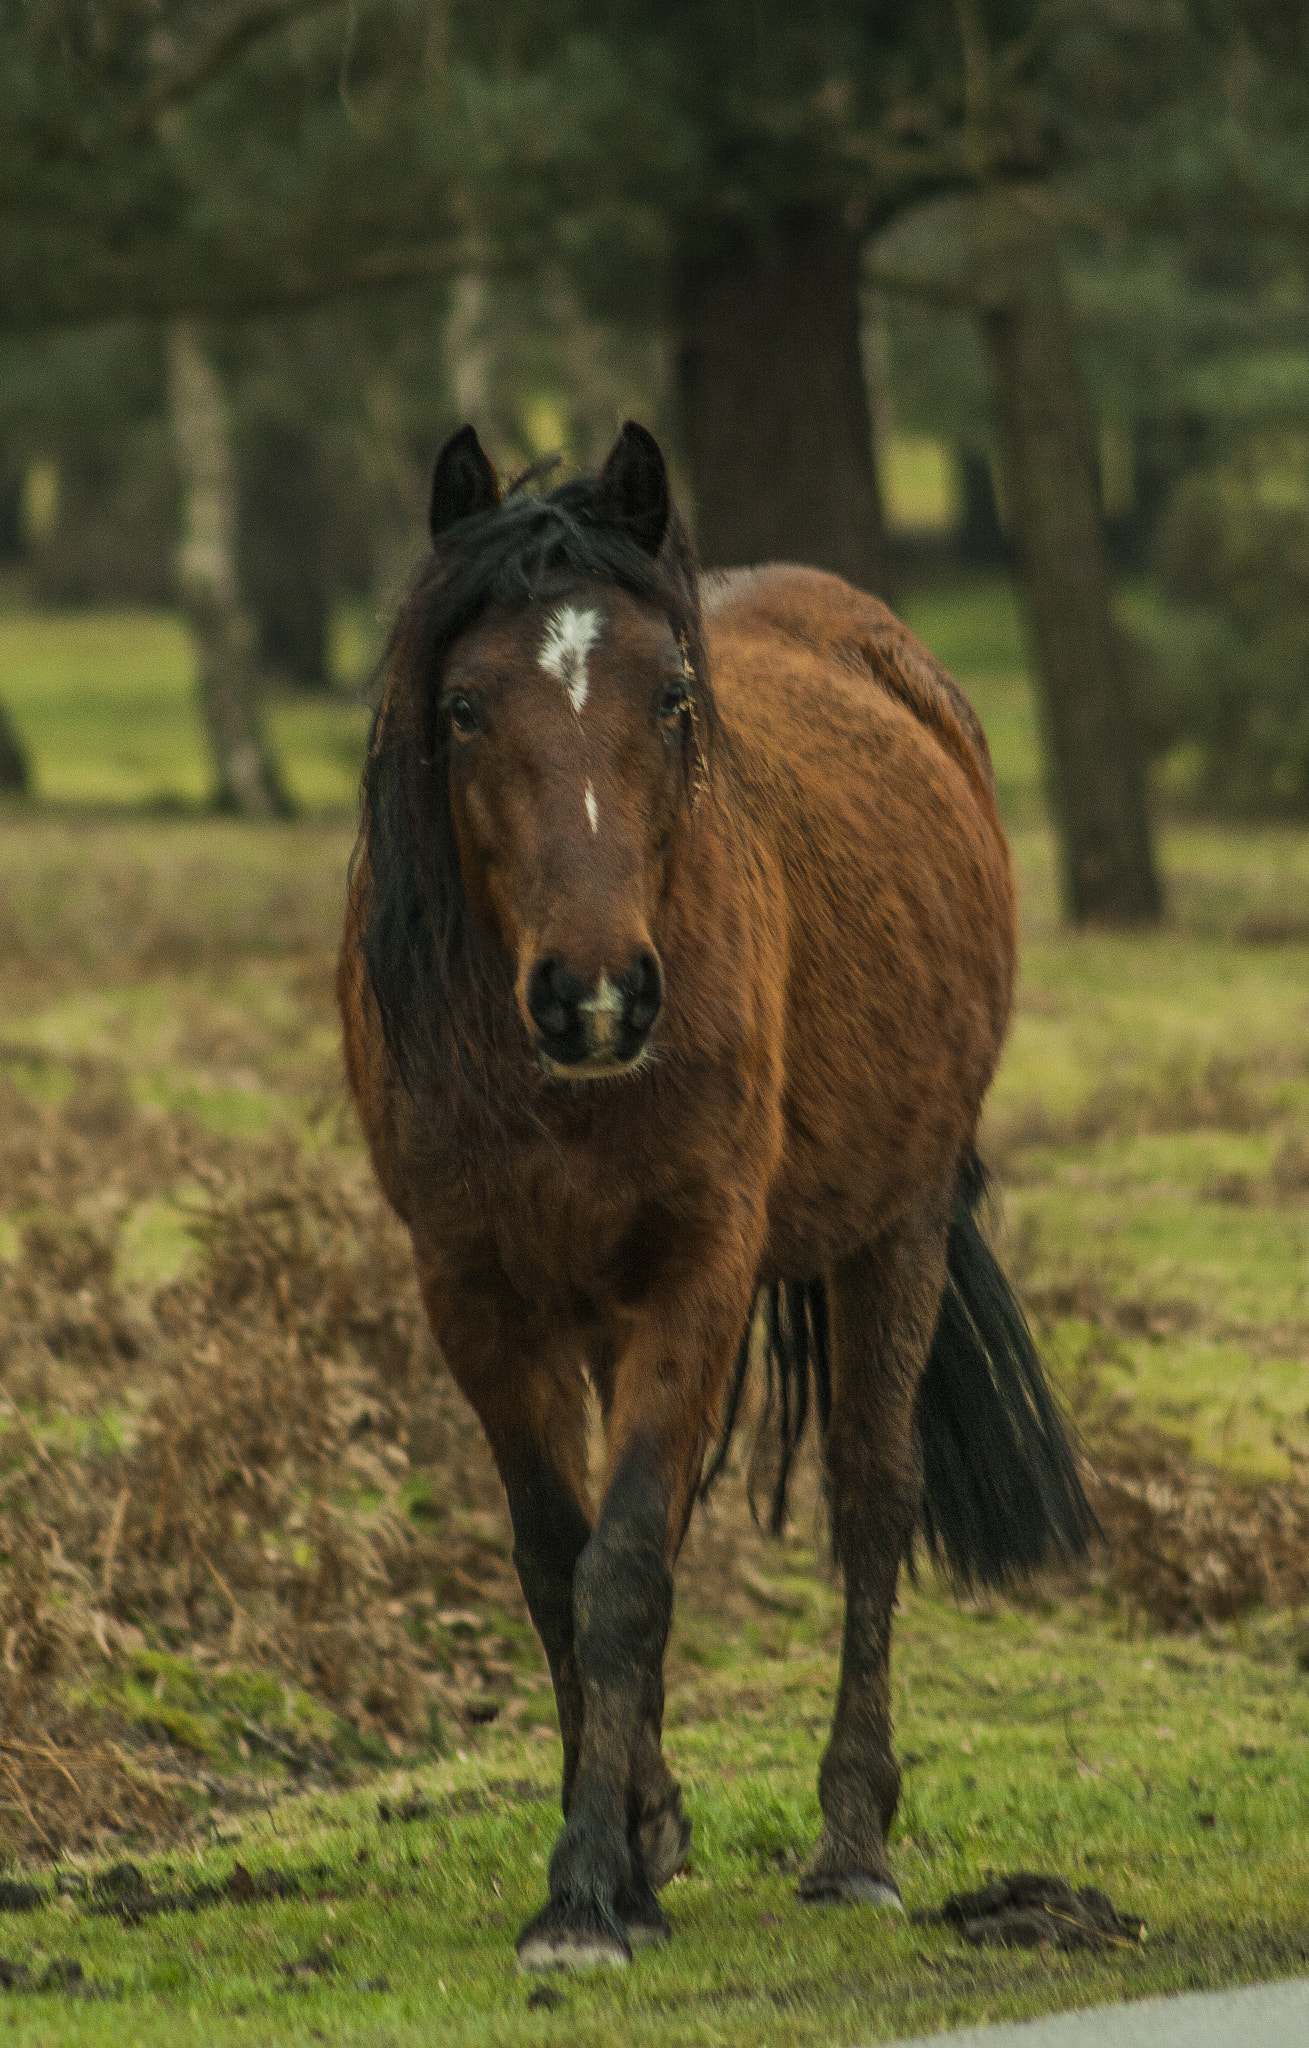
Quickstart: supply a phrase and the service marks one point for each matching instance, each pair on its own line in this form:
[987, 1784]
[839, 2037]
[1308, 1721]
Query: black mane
[444, 988]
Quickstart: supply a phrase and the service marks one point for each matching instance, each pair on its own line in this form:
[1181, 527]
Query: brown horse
[677, 963]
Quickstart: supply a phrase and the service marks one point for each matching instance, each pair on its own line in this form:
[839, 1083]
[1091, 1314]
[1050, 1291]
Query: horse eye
[673, 702]
[463, 717]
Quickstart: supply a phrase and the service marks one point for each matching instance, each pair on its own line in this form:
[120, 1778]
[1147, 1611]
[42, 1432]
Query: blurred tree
[1226, 668]
[1195, 308]
[234, 157]
[713, 164]
[755, 149]
[82, 419]
[1041, 90]
[229, 157]
[14, 772]
[247, 780]
[1094, 751]
[282, 554]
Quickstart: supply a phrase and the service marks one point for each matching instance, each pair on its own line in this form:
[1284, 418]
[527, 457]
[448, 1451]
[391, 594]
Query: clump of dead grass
[263, 1461]
[96, 1145]
[1214, 1096]
[66, 1777]
[97, 905]
[1190, 1544]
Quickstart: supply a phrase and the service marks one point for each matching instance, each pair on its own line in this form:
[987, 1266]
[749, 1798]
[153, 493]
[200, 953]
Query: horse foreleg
[550, 1532]
[531, 1400]
[884, 1305]
[625, 1827]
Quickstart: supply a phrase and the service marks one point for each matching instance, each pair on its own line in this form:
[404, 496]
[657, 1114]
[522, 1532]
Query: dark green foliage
[88, 406]
[1225, 669]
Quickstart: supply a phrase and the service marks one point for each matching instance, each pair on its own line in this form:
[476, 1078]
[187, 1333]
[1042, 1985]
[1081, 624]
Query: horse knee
[622, 1608]
[622, 1587]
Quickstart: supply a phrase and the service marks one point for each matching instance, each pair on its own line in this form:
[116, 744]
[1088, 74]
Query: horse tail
[791, 1318]
[1001, 1489]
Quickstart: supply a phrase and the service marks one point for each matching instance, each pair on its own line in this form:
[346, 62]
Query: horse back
[866, 787]
[826, 613]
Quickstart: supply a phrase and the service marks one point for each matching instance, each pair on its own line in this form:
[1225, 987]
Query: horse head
[566, 725]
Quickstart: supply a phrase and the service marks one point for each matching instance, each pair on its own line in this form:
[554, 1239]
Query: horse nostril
[553, 995]
[643, 992]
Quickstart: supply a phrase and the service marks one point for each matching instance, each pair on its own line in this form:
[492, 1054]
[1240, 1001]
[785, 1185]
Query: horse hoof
[573, 1937]
[849, 1888]
[665, 1844]
[648, 1930]
[646, 1925]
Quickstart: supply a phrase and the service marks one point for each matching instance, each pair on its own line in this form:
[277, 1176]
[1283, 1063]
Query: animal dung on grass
[63, 1975]
[1031, 1910]
[636, 1088]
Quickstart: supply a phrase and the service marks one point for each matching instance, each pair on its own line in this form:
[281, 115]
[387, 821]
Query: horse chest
[577, 1236]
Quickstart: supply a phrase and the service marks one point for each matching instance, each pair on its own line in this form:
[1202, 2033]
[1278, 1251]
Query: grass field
[168, 1052]
[104, 702]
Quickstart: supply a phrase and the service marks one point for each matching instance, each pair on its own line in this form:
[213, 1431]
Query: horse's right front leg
[533, 1410]
[531, 1399]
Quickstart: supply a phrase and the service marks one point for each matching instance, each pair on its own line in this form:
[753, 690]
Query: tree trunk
[282, 565]
[15, 779]
[246, 779]
[1095, 761]
[981, 543]
[775, 412]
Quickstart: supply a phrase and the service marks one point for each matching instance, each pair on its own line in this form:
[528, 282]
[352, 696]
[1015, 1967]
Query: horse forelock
[429, 967]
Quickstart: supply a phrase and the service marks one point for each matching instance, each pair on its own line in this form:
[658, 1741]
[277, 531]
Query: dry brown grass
[1189, 1544]
[264, 1462]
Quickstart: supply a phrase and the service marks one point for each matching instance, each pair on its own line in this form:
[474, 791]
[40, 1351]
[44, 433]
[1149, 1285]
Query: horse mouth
[603, 1064]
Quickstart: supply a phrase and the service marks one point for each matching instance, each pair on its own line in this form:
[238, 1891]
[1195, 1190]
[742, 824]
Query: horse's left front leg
[665, 1399]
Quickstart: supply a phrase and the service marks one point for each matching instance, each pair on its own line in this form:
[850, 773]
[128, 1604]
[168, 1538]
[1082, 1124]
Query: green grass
[105, 702]
[1176, 1776]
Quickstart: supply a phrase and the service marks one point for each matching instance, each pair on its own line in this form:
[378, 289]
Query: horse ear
[631, 490]
[463, 482]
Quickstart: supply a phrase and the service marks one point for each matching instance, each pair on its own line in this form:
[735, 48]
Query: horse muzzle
[588, 1030]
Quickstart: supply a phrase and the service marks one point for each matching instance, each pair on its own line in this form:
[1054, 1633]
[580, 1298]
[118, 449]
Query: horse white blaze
[569, 638]
[604, 1013]
[592, 809]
